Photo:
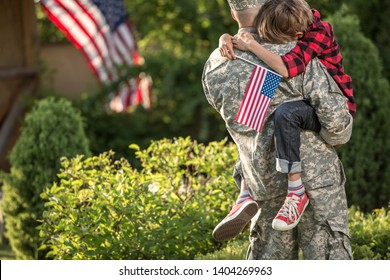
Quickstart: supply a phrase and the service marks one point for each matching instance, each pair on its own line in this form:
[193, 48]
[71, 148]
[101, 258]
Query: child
[316, 39]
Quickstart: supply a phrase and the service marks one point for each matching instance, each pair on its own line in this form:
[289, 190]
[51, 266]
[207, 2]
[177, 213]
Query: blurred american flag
[102, 31]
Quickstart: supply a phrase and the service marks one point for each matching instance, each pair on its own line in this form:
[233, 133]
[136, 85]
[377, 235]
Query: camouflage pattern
[322, 232]
[224, 82]
[239, 5]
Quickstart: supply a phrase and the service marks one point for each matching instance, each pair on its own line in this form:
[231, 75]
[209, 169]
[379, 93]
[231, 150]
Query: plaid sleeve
[317, 38]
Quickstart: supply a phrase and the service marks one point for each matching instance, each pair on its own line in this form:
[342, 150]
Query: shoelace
[290, 208]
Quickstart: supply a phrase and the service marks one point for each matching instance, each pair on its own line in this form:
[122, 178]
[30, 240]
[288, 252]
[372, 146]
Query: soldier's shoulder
[214, 61]
[280, 49]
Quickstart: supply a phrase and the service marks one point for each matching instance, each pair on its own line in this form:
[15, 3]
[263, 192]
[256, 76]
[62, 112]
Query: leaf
[134, 147]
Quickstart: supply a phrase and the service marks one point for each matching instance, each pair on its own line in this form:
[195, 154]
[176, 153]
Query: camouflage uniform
[244, 4]
[323, 230]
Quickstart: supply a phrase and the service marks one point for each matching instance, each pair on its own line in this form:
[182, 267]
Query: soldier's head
[281, 21]
[245, 11]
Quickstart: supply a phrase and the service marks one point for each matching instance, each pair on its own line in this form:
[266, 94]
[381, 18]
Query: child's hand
[243, 40]
[226, 46]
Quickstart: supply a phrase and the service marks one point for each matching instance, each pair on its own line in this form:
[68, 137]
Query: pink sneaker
[291, 212]
[236, 220]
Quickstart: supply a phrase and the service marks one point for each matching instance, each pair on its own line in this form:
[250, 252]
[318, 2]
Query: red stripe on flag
[251, 95]
[242, 112]
[262, 113]
[257, 98]
[104, 51]
[92, 37]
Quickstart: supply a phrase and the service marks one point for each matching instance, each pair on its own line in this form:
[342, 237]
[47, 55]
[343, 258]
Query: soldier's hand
[226, 46]
[243, 40]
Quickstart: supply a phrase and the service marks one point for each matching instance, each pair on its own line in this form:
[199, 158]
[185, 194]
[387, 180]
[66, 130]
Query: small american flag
[101, 30]
[257, 98]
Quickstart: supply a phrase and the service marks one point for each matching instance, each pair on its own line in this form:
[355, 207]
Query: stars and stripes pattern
[257, 98]
[101, 30]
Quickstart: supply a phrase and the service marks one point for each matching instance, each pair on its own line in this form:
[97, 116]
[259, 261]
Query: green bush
[370, 234]
[103, 208]
[51, 130]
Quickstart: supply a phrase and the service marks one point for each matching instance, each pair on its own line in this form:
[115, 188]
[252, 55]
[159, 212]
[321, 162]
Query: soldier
[276, 21]
[323, 230]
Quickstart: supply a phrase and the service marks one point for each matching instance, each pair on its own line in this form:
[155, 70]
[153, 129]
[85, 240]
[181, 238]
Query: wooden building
[18, 68]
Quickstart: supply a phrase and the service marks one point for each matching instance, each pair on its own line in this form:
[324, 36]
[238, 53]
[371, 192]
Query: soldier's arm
[329, 103]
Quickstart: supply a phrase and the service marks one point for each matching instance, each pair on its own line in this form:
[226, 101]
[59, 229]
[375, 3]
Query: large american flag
[101, 30]
[257, 98]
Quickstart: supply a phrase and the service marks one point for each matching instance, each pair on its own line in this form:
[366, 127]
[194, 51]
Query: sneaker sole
[233, 225]
[291, 226]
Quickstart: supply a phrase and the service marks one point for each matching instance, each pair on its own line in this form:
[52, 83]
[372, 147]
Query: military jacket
[224, 83]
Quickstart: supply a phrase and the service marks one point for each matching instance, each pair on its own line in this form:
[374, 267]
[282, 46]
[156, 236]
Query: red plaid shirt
[319, 42]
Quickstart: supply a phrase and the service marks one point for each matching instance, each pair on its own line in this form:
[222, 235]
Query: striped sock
[244, 194]
[296, 187]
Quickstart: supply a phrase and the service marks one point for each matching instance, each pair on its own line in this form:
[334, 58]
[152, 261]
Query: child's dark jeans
[290, 118]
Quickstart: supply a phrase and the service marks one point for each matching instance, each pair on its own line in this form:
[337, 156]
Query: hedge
[103, 208]
[52, 129]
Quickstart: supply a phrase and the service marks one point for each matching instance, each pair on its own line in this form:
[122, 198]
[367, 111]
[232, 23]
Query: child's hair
[278, 21]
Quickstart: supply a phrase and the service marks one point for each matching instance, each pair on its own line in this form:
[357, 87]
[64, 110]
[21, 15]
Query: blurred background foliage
[176, 37]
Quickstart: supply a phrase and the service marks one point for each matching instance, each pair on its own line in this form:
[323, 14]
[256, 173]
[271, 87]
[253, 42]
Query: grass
[236, 250]
[6, 253]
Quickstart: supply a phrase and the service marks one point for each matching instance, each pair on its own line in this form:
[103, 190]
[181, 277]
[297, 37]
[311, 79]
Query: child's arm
[226, 46]
[245, 42]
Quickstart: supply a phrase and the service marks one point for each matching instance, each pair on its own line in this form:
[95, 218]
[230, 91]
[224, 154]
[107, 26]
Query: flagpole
[250, 62]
